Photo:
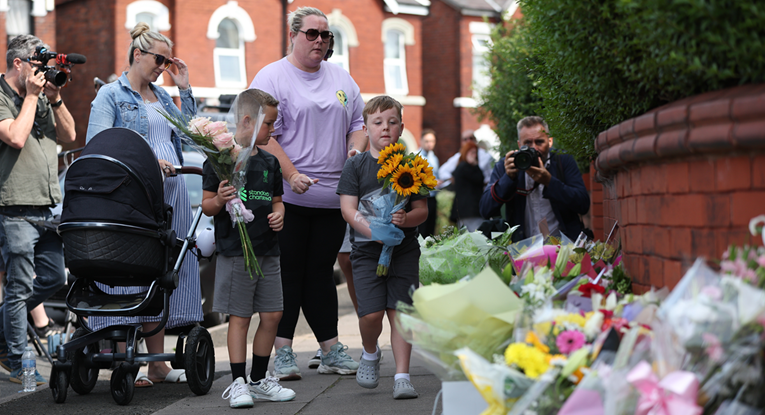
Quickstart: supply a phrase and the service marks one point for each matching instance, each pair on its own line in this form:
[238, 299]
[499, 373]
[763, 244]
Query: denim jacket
[119, 105]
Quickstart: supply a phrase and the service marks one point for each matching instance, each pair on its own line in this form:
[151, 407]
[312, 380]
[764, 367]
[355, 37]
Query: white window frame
[407, 39]
[347, 30]
[241, 18]
[480, 31]
[340, 56]
[160, 12]
[399, 62]
[238, 53]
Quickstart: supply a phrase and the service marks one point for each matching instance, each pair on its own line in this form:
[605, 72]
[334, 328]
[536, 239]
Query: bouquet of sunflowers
[402, 175]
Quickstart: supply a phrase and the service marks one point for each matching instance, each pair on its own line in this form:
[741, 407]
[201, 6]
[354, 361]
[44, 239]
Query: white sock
[401, 376]
[370, 356]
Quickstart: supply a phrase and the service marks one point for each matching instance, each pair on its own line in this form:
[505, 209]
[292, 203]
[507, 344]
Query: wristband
[57, 103]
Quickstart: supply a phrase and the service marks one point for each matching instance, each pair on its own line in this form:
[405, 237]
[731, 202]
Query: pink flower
[761, 260]
[570, 341]
[713, 347]
[712, 292]
[223, 141]
[197, 124]
[235, 151]
[216, 128]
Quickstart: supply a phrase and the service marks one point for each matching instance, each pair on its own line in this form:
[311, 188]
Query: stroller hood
[116, 179]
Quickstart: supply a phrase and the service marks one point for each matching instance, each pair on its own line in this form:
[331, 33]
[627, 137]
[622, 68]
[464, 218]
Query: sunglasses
[159, 59]
[312, 34]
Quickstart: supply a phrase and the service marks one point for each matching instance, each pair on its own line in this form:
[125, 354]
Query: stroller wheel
[199, 358]
[83, 378]
[122, 385]
[59, 383]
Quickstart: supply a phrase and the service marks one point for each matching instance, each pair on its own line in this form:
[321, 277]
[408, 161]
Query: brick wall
[698, 182]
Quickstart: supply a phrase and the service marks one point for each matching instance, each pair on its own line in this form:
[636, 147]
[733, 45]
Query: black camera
[63, 61]
[526, 157]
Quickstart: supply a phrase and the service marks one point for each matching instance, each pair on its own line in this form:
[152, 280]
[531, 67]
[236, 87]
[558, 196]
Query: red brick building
[422, 52]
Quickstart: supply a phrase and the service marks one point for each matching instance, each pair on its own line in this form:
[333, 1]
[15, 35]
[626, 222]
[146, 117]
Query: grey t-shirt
[359, 178]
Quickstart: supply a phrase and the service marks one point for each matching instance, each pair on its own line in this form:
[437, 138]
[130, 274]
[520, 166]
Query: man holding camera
[32, 118]
[543, 191]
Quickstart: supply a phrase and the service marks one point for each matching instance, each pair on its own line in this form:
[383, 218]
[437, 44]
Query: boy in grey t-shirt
[377, 296]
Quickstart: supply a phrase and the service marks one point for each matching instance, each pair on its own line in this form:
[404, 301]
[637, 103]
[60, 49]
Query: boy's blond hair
[381, 103]
[250, 101]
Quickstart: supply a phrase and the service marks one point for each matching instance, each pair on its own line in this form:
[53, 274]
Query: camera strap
[17, 101]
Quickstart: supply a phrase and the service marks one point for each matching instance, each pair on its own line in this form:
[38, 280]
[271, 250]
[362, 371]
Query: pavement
[317, 394]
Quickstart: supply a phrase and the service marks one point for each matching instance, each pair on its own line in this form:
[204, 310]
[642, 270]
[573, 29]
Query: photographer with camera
[33, 119]
[537, 186]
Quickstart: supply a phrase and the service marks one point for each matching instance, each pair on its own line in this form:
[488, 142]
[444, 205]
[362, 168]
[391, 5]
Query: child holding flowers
[236, 292]
[377, 295]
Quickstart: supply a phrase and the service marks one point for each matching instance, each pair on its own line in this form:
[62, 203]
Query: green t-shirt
[264, 182]
[29, 176]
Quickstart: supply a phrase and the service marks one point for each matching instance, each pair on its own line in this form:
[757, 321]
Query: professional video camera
[59, 76]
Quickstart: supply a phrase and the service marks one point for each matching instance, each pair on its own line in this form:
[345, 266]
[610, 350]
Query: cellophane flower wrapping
[499, 384]
[377, 208]
[478, 314]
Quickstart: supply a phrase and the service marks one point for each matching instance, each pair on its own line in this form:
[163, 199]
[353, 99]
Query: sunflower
[386, 170]
[396, 148]
[405, 181]
[419, 163]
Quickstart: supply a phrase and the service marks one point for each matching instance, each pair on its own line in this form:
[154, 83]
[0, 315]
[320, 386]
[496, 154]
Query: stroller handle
[187, 170]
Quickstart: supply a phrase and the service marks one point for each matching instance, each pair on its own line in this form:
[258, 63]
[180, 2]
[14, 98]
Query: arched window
[397, 33]
[147, 18]
[229, 56]
[340, 54]
[395, 63]
[153, 13]
[230, 26]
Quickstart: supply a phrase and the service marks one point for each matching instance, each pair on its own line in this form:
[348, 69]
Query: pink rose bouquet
[229, 161]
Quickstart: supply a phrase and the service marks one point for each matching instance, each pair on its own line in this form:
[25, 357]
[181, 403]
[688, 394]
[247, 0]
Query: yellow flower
[388, 151]
[532, 339]
[386, 170]
[419, 164]
[405, 182]
[532, 361]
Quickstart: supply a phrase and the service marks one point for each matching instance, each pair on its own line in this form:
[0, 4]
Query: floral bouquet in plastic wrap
[228, 157]
[478, 313]
[448, 257]
[402, 175]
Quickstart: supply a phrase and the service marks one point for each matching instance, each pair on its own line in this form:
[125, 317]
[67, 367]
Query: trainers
[403, 389]
[315, 361]
[270, 389]
[5, 363]
[368, 374]
[50, 329]
[238, 394]
[285, 367]
[16, 377]
[337, 361]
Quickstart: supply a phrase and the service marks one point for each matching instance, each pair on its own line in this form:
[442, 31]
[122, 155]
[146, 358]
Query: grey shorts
[346, 248]
[238, 295]
[375, 293]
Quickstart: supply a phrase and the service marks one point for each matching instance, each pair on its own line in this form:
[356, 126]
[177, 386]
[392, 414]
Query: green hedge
[595, 63]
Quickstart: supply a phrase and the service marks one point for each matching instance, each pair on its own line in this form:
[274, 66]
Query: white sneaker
[270, 389]
[238, 394]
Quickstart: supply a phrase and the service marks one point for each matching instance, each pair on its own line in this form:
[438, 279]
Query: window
[340, 54]
[481, 78]
[481, 41]
[229, 56]
[18, 20]
[147, 18]
[153, 13]
[395, 63]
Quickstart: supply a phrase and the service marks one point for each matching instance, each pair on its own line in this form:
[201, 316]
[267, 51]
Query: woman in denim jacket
[133, 102]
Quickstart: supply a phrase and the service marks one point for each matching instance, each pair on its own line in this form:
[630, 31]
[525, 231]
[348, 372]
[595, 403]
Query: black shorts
[375, 293]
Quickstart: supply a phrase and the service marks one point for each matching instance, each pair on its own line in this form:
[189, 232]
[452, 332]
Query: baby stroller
[117, 231]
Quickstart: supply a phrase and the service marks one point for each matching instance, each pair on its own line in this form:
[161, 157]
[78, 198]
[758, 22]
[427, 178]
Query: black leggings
[309, 244]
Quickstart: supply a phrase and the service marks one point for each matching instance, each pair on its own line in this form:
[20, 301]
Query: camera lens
[56, 77]
[522, 160]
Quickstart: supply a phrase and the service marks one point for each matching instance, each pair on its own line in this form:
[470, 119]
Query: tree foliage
[586, 65]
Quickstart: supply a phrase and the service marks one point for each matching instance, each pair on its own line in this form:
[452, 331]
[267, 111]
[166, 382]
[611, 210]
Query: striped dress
[186, 300]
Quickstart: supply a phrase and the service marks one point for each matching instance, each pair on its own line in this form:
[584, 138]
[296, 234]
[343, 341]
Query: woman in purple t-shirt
[317, 129]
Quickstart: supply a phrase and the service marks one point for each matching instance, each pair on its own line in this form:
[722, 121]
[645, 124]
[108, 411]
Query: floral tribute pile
[577, 345]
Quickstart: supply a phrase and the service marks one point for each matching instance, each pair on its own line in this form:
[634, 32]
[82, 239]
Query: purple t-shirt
[316, 113]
